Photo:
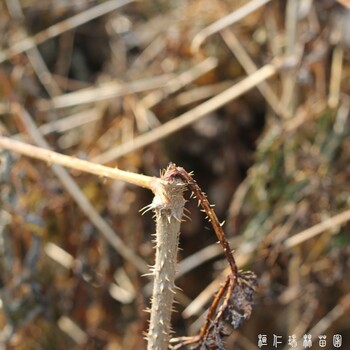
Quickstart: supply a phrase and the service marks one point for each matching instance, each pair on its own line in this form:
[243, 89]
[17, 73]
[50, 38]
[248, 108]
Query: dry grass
[251, 95]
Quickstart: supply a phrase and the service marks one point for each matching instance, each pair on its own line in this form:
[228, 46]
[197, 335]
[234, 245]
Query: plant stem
[75, 163]
[168, 205]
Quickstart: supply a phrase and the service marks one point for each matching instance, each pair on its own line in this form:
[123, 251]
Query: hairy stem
[168, 205]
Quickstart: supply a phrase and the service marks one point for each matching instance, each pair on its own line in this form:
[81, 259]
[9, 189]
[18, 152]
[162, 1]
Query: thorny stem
[211, 313]
[213, 219]
[168, 205]
[224, 294]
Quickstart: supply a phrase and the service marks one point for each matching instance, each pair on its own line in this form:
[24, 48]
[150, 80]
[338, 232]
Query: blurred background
[110, 81]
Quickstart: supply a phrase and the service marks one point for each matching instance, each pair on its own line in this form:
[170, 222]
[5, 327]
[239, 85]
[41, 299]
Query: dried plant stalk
[232, 304]
[168, 205]
[52, 157]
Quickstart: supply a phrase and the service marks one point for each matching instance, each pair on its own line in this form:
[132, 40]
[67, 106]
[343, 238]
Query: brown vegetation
[253, 96]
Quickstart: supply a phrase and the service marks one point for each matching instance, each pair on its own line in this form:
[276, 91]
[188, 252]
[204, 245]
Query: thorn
[222, 223]
[186, 217]
[177, 218]
[178, 288]
[145, 209]
[148, 274]
[187, 210]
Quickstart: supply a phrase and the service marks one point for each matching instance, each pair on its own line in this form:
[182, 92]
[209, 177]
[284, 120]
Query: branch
[75, 163]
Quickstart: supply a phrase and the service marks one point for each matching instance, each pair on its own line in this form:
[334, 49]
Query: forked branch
[233, 302]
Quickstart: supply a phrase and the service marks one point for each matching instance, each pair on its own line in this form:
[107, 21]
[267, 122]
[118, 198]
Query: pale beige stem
[168, 205]
[75, 163]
